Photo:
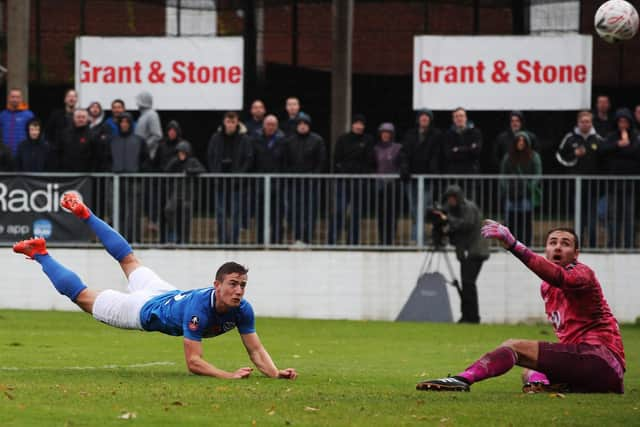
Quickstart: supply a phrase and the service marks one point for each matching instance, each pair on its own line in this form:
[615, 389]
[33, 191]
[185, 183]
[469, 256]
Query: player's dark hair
[567, 230]
[230, 268]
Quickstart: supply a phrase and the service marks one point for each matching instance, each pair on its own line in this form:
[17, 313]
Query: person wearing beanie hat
[148, 127]
[306, 152]
[353, 155]
[521, 196]
[504, 139]
[621, 156]
[420, 155]
[178, 208]
[461, 146]
[387, 153]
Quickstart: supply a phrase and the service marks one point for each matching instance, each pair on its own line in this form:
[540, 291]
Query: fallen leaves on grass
[311, 409]
[4, 387]
[128, 416]
[9, 395]
[178, 403]
[558, 395]
[271, 410]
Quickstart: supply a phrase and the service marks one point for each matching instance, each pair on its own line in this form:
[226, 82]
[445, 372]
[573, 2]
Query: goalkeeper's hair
[567, 230]
[230, 268]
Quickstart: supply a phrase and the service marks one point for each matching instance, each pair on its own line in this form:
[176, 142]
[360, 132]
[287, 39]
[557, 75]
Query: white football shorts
[122, 310]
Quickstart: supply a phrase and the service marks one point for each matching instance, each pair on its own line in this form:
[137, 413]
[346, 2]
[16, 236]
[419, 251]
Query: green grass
[352, 373]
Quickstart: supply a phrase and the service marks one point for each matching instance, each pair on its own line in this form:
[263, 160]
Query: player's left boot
[444, 384]
[31, 247]
[72, 202]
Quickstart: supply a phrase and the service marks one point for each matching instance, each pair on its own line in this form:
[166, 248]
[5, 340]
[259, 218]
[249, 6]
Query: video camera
[439, 226]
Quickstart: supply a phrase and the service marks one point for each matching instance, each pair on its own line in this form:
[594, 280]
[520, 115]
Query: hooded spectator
[33, 152]
[168, 144]
[504, 140]
[148, 126]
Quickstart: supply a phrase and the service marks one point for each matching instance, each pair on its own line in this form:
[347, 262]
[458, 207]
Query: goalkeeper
[589, 356]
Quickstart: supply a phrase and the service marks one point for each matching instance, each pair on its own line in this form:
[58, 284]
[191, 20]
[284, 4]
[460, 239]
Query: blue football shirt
[192, 314]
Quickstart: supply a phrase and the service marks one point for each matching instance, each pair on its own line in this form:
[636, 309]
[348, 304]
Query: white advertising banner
[502, 72]
[182, 73]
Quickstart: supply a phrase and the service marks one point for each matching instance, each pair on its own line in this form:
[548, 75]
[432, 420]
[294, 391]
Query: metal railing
[349, 211]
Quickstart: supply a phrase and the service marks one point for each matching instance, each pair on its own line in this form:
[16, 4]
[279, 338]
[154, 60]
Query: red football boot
[31, 247]
[72, 202]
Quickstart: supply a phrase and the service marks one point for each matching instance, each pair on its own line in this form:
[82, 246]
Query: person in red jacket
[589, 357]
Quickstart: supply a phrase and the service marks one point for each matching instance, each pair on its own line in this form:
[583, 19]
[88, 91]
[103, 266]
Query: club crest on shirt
[193, 324]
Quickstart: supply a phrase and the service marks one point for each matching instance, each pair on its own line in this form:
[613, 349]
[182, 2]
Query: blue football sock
[64, 280]
[113, 242]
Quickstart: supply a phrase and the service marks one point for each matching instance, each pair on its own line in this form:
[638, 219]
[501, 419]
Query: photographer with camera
[460, 219]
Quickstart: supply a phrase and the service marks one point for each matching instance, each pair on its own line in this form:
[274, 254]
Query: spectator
[387, 153]
[117, 108]
[100, 132]
[61, 118]
[521, 196]
[636, 116]
[464, 221]
[420, 155]
[6, 159]
[353, 155]
[178, 210]
[306, 153]
[13, 121]
[257, 113]
[148, 127]
[461, 146]
[269, 148]
[229, 151]
[601, 117]
[77, 151]
[621, 156]
[167, 147]
[579, 153]
[289, 125]
[129, 155]
[505, 138]
[33, 152]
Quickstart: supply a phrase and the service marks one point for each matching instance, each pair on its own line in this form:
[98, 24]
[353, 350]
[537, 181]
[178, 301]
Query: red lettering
[109, 74]
[424, 75]
[235, 74]
[191, 73]
[541, 73]
[178, 74]
[429, 73]
[85, 75]
[480, 71]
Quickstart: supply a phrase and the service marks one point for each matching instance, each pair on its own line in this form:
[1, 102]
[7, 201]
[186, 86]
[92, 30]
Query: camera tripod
[434, 256]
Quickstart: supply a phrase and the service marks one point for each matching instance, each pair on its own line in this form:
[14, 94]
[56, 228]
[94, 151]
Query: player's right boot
[31, 247]
[444, 384]
[72, 202]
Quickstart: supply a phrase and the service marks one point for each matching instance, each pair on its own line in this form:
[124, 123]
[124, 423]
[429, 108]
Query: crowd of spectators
[76, 139]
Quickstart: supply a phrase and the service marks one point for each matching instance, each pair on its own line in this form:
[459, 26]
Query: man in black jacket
[420, 155]
[306, 153]
[353, 155]
[78, 150]
[61, 119]
[33, 152]
[269, 158]
[230, 152]
[461, 146]
[580, 153]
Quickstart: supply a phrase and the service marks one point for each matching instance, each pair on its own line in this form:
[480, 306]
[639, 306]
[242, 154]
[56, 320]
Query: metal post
[577, 220]
[116, 202]
[420, 213]
[267, 211]
[342, 34]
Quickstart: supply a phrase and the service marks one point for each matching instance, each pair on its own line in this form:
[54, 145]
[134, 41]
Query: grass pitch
[66, 369]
